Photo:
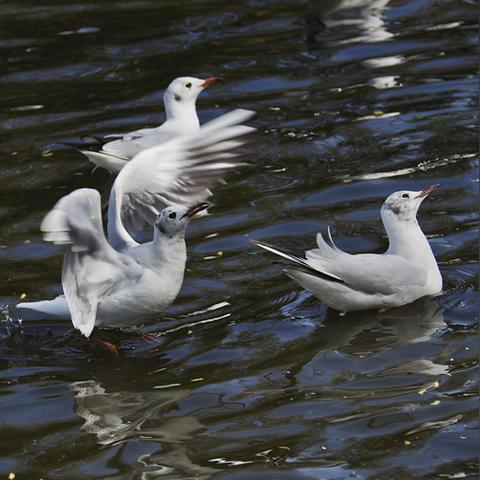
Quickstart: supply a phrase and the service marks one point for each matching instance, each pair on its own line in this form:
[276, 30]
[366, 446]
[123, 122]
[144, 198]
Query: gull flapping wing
[76, 221]
[178, 172]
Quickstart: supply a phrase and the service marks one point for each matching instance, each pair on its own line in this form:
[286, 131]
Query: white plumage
[121, 282]
[181, 118]
[345, 282]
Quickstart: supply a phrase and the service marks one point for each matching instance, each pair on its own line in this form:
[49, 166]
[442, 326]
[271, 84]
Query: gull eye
[172, 215]
[405, 195]
[188, 85]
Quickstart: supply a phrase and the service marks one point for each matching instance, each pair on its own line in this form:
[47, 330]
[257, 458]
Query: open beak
[196, 208]
[209, 81]
[427, 191]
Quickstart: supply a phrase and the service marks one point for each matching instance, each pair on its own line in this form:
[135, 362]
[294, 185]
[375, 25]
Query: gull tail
[299, 263]
[56, 308]
[105, 160]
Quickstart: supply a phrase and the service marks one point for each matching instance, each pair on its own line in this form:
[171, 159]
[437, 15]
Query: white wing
[180, 171]
[134, 142]
[91, 267]
[113, 155]
[366, 272]
[111, 163]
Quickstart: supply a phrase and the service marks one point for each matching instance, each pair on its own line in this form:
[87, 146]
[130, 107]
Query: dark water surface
[252, 378]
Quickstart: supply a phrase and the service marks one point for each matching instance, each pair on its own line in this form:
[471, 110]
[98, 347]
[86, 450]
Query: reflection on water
[368, 17]
[117, 417]
[413, 323]
[174, 417]
[251, 377]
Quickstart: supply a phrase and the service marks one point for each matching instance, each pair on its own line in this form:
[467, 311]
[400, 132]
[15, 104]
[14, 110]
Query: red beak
[209, 81]
[428, 190]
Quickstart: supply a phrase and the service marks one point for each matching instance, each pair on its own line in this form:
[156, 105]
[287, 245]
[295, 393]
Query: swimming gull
[345, 282]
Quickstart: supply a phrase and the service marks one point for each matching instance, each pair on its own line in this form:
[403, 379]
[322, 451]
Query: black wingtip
[314, 273]
[298, 263]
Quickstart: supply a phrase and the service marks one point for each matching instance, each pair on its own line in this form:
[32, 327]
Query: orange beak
[428, 190]
[209, 81]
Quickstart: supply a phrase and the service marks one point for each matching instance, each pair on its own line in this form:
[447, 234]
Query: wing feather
[180, 171]
[90, 265]
[134, 142]
[365, 272]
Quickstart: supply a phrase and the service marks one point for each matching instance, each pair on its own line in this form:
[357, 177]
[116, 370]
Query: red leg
[109, 346]
[147, 337]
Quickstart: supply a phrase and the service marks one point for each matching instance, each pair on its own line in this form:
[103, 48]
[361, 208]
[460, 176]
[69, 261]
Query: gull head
[185, 90]
[403, 206]
[172, 221]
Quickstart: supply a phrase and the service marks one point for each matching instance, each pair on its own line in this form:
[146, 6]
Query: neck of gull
[407, 240]
[181, 114]
[169, 254]
[118, 236]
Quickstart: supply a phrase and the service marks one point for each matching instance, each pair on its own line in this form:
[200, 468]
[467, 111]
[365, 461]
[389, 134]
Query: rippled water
[252, 377]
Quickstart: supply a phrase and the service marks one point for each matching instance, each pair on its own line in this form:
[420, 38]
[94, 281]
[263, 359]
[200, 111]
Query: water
[252, 377]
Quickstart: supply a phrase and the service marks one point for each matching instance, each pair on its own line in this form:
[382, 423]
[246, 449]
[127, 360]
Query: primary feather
[180, 172]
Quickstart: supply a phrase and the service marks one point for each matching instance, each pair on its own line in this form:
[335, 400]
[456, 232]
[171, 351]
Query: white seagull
[181, 118]
[120, 282]
[345, 282]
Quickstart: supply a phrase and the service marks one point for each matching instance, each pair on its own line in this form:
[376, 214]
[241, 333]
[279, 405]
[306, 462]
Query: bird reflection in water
[369, 19]
[369, 332]
[116, 418]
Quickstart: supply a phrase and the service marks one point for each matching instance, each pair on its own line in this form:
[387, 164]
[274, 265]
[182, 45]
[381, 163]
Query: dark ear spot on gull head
[402, 204]
[405, 204]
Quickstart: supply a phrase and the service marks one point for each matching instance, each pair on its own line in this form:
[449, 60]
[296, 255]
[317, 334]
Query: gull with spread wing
[345, 282]
[181, 118]
[120, 282]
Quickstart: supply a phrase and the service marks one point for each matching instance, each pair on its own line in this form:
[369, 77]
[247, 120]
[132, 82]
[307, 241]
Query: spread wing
[180, 171]
[91, 267]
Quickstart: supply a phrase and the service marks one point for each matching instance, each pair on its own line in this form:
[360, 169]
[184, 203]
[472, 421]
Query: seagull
[345, 282]
[181, 118]
[119, 282]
